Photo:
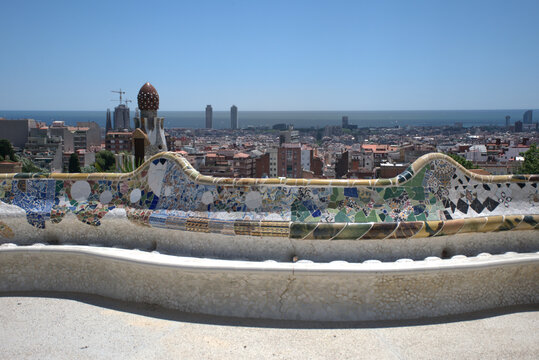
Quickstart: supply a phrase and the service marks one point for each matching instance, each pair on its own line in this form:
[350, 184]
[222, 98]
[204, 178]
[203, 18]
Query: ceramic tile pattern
[434, 196]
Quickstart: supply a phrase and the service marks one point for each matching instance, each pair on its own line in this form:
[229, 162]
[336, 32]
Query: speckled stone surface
[309, 291]
[92, 327]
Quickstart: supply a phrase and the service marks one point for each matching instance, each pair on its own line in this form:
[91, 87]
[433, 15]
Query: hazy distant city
[267, 144]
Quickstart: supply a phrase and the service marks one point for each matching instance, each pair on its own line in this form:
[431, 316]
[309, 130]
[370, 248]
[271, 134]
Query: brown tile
[451, 227]
[407, 229]
[430, 228]
[380, 231]
[493, 223]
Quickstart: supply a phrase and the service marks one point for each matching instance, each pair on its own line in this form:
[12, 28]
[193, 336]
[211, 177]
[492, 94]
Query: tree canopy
[6, 149]
[74, 164]
[531, 161]
[29, 167]
[105, 161]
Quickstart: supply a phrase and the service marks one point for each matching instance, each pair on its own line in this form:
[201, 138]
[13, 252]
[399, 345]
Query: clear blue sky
[272, 55]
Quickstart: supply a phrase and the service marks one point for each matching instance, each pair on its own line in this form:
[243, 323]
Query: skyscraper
[233, 117]
[527, 117]
[518, 126]
[507, 121]
[209, 117]
[121, 117]
[345, 122]
[108, 126]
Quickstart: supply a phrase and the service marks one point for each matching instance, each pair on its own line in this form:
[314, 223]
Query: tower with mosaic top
[152, 127]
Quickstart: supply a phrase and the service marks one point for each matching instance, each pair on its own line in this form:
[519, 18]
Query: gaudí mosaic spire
[149, 122]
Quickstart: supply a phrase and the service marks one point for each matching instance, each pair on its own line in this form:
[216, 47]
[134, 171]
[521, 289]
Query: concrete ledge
[335, 291]
[117, 231]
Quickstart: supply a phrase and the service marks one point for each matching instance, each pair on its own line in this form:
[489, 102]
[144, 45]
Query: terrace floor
[74, 326]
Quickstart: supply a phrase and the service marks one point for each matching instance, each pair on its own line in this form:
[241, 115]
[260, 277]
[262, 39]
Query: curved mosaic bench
[434, 208]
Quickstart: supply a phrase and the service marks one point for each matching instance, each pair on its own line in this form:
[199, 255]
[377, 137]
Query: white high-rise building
[273, 156]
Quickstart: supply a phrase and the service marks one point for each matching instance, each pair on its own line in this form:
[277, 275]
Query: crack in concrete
[290, 280]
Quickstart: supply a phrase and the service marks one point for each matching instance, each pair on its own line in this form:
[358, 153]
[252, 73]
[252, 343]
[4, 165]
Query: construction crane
[119, 92]
[127, 101]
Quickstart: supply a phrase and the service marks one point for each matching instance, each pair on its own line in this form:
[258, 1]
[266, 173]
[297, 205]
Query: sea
[300, 119]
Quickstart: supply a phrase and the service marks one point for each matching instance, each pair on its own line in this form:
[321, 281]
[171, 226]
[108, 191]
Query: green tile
[421, 217]
[360, 217]
[393, 192]
[326, 231]
[416, 193]
[299, 230]
[417, 180]
[302, 215]
[353, 231]
[432, 216]
[339, 193]
[372, 217]
[342, 217]
[530, 220]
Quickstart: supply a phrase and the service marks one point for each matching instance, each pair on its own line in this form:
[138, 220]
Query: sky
[271, 55]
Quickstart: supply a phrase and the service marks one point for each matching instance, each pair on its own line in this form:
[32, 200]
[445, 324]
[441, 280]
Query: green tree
[88, 169]
[462, 161]
[74, 164]
[104, 161]
[29, 167]
[531, 161]
[6, 149]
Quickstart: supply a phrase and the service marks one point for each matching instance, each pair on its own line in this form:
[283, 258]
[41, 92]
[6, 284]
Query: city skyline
[274, 56]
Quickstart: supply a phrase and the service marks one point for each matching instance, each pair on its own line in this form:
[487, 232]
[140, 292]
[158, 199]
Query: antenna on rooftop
[119, 92]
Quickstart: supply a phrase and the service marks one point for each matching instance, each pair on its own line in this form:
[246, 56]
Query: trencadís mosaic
[434, 196]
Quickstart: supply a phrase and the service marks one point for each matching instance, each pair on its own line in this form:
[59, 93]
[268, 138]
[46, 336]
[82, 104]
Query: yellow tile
[493, 223]
[473, 225]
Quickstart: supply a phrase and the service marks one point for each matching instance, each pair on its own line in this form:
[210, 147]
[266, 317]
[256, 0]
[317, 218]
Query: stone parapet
[336, 291]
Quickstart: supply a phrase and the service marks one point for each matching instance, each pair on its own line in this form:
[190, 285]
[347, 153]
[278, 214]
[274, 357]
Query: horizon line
[347, 110]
